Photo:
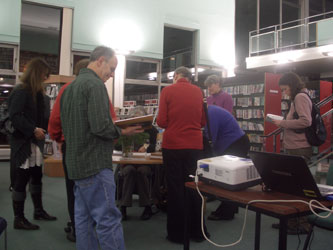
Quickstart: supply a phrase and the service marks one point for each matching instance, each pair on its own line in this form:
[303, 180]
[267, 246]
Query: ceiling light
[287, 57]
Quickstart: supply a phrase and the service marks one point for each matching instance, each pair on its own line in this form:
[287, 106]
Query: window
[142, 80]
[40, 34]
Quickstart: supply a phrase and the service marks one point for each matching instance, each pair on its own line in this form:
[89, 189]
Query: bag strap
[302, 93]
[207, 119]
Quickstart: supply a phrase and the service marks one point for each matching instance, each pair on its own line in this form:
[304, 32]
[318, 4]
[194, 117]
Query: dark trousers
[23, 176]
[69, 187]
[179, 165]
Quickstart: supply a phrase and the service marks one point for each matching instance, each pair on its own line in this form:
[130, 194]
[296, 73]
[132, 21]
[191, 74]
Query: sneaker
[147, 213]
[23, 223]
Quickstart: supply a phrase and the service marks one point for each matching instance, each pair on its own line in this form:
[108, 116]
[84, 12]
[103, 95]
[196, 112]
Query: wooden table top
[118, 159]
[255, 193]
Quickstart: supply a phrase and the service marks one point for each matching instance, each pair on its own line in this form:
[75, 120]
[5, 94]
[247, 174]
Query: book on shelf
[144, 121]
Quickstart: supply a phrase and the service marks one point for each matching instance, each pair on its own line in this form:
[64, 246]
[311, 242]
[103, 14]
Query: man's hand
[131, 130]
[39, 133]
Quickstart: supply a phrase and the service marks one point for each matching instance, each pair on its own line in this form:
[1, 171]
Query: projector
[229, 172]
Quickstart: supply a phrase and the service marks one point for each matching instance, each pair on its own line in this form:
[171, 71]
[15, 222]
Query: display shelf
[248, 99]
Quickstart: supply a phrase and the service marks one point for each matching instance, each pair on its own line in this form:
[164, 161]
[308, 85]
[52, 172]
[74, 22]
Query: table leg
[257, 232]
[283, 234]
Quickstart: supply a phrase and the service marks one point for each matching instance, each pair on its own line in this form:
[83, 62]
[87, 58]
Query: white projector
[229, 172]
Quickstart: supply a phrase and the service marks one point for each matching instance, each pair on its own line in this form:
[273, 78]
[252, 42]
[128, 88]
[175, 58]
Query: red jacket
[182, 115]
[54, 128]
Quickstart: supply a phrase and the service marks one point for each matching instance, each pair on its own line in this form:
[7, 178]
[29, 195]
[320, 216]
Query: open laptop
[288, 174]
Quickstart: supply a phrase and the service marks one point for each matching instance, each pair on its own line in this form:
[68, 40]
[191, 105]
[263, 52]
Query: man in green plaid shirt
[89, 134]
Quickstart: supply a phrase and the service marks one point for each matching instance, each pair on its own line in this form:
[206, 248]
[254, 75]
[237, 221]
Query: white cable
[310, 203]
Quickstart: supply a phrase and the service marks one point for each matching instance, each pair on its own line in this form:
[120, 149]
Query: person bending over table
[228, 139]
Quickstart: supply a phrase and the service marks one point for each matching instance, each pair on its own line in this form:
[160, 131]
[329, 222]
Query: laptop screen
[286, 174]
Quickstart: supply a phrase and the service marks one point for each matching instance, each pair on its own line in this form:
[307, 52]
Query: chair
[3, 228]
[324, 223]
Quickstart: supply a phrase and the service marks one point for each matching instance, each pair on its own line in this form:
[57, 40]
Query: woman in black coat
[27, 114]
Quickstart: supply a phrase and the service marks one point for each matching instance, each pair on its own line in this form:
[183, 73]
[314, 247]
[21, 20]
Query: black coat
[25, 115]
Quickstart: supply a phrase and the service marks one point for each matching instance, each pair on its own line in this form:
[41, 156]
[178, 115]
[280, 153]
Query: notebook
[288, 174]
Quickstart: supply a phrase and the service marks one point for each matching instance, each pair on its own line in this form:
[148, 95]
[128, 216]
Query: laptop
[288, 174]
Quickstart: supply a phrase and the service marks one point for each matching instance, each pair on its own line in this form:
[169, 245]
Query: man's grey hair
[137, 111]
[184, 72]
[99, 51]
[213, 79]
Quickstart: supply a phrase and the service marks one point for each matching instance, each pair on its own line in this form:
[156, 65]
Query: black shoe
[41, 214]
[210, 199]
[298, 230]
[147, 213]
[216, 216]
[23, 223]
[71, 237]
[201, 238]
[123, 213]
[175, 240]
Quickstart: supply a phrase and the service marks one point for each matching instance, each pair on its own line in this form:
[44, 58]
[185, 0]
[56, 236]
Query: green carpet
[139, 235]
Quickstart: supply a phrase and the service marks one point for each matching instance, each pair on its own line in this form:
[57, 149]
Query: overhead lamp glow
[223, 53]
[124, 36]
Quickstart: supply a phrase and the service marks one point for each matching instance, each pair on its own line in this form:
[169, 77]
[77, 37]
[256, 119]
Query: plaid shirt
[87, 126]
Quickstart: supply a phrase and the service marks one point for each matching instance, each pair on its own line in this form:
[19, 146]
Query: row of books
[251, 126]
[245, 89]
[249, 101]
[255, 138]
[125, 111]
[256, 148]
[249, 113]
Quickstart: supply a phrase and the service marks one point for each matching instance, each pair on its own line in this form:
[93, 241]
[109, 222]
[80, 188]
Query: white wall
[94, 19]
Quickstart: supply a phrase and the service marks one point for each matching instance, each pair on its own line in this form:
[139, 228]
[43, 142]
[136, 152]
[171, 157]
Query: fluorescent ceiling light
[287, 57]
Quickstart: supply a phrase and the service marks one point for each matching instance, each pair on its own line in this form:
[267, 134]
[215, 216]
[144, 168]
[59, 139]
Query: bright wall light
[122, 35]
[287, 57]
[223, 53]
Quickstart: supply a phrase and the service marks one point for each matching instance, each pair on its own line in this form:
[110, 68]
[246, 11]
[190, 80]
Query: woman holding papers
[294, 139]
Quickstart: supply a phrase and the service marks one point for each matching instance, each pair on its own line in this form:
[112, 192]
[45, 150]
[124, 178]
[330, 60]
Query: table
[137, 159]
[282, 211]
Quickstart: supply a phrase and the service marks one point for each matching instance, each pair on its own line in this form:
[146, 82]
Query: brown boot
[23, 223]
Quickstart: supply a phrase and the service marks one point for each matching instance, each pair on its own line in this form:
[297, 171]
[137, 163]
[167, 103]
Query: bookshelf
[248, 97]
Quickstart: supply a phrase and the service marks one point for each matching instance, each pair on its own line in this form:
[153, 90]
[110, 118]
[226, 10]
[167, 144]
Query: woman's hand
[277, 122]
[39, 134]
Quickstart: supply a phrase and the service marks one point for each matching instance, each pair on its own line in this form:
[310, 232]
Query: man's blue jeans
[97, 219]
